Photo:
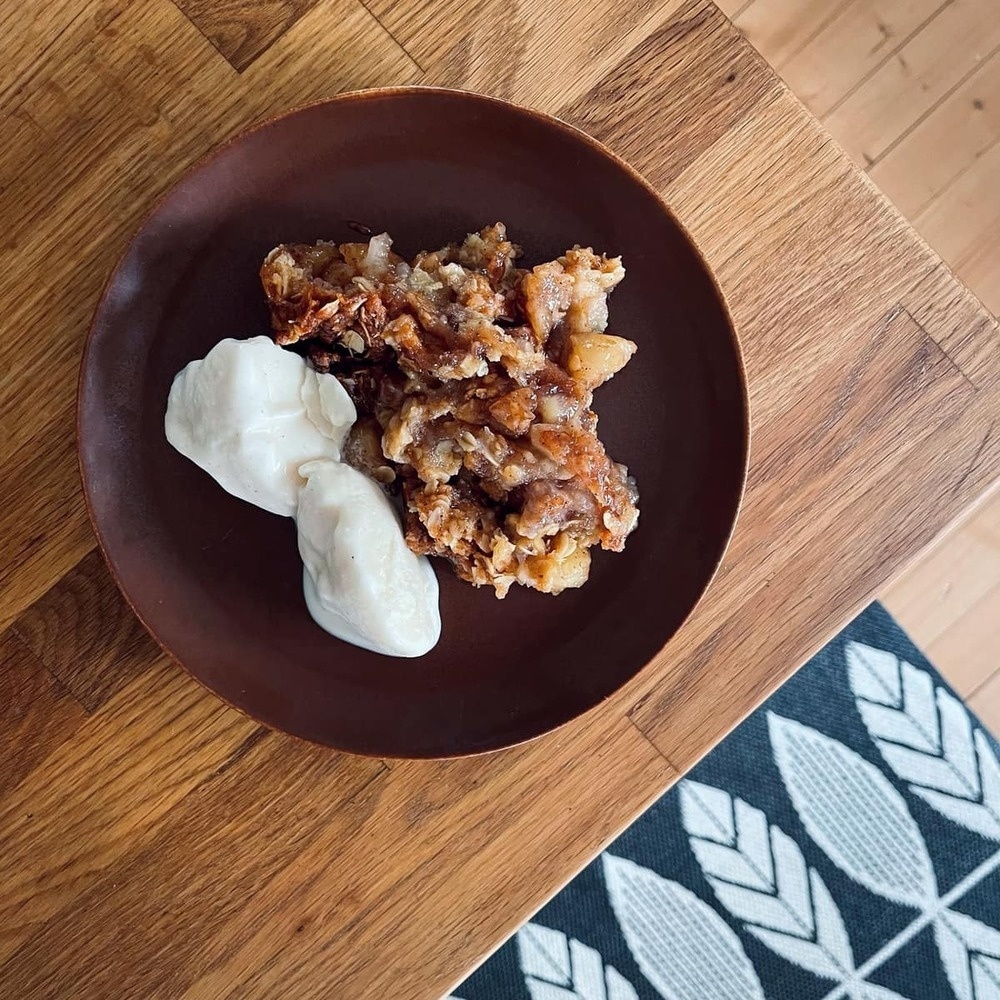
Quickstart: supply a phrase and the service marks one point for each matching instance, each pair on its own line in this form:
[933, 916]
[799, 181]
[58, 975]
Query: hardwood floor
[911, 89]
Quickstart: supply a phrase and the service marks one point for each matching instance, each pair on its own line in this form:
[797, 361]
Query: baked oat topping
[476, 379]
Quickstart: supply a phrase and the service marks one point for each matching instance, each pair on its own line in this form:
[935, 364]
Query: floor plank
[937, 59]
[731, 8]
[781, 28]
[858, 40]
[934, 595]
[968, 650]
[949, 601]
[958, 132]
[963, 225]
[986, 703]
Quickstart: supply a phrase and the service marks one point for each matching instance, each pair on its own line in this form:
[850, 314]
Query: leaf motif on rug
[970, 952]
[853, 813]
[758, 873]
[670, 931]
[926, 736]
[557, 967]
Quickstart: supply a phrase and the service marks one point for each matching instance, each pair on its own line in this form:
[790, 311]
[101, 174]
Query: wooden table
[153, 842]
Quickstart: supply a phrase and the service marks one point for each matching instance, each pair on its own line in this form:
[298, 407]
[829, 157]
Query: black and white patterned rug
[844, 842]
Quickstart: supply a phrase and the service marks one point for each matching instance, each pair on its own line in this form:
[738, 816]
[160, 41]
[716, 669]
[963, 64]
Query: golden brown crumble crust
[474, 379]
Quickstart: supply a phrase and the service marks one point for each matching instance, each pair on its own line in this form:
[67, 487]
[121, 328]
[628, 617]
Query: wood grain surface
[155, 843]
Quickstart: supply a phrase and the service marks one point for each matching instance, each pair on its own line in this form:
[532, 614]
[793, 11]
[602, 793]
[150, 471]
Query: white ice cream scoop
[251, 413]
[361, 582]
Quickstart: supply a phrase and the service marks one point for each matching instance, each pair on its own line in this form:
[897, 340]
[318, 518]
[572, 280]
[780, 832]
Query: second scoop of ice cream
[361, 582]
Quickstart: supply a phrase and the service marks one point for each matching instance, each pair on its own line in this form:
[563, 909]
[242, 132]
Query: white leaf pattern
[970, 951]
[759, 875]
[853, 813]
[829, 956]
[683, 947]
[559, 968]
[544, 954]
[928, 741]
[619, 988]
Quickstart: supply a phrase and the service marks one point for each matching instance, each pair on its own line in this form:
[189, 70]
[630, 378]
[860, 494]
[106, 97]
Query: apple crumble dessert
[474, 380]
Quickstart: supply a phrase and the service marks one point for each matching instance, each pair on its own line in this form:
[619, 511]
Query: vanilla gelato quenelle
[269, 429]
[251, 413]
[361, 582]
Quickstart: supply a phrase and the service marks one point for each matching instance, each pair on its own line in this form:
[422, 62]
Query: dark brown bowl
[219, 583]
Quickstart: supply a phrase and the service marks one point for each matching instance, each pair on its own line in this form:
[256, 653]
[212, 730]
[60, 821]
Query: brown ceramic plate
[219, 583]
